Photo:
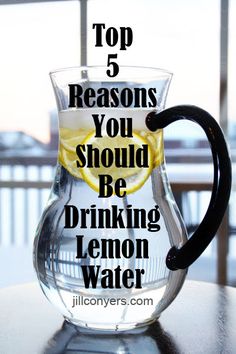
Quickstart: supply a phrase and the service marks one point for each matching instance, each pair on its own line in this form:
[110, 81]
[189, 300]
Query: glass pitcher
[111, 250]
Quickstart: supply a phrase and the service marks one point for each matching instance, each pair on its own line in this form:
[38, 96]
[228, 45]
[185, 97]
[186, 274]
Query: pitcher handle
[183, 257]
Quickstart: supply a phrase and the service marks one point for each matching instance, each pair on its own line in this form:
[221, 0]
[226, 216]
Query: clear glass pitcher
[111, 250]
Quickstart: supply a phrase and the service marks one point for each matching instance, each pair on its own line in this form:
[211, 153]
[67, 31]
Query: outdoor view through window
[36, 38]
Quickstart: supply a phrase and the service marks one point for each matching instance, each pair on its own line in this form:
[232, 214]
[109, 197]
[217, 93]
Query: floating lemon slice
[155, 141]
[134, 176]
[69, 139]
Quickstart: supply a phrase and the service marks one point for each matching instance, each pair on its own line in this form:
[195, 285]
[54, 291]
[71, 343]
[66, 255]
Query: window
[39, 36]
[35, 39]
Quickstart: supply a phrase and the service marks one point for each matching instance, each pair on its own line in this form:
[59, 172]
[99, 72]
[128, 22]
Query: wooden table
[201, 320]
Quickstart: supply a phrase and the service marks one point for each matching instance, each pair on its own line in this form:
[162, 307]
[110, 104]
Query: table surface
[202, 319]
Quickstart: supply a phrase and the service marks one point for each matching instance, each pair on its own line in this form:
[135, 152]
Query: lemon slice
[155, 141]
[69, 139]
[134, 176]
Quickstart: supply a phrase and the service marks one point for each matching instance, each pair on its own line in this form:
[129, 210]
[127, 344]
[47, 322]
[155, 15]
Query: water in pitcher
[71, 260]
[100, 254]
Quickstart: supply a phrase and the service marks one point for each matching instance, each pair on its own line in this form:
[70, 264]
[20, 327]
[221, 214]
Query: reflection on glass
[150, 339]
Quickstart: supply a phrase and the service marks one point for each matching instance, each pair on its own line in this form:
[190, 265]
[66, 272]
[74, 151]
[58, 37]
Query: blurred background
[194, 40]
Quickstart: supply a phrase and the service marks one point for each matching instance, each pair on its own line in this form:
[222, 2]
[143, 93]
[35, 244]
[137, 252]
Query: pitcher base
[110, 327]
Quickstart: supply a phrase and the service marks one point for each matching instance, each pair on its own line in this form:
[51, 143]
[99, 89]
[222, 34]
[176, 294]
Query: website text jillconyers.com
[104, 302]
